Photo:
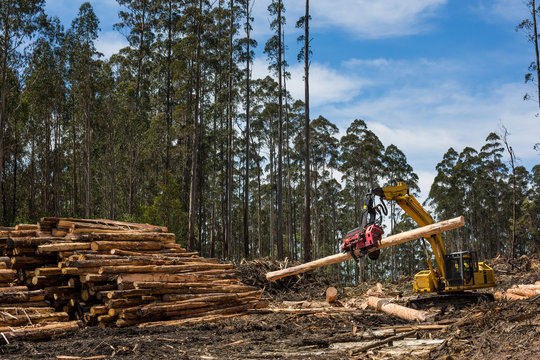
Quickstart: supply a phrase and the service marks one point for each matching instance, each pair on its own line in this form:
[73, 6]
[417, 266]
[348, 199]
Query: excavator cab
[460, 268]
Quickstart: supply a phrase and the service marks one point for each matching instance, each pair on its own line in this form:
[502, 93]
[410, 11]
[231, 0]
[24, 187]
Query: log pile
[104, 272]
[520, 292]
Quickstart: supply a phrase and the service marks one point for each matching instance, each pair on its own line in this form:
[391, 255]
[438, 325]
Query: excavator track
[457, 299]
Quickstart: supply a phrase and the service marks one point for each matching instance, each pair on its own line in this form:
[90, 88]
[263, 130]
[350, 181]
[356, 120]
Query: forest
[173, 130]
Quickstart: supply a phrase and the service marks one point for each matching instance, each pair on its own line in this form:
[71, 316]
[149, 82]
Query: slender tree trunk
[307, 190]
[3, 98]
[195, 143]
[280, 145]
[230, 134]
[213, 231]
[248, 140]
[15, 166]
[272, 175]
[168, 95]
[259, 206]
[88, 160]
[289, 193]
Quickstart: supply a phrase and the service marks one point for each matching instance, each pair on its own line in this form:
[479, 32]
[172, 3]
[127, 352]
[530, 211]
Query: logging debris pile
[62, 273]
[305, 286]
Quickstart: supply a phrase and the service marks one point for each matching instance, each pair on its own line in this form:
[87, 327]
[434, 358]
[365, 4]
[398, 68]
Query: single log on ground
[41, 332]
[397, 310]
[331, 294]
[391, 240]
[29, 319]
[524, 292]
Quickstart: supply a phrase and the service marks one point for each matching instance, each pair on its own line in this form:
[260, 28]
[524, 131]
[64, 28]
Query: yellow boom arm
[400, 194]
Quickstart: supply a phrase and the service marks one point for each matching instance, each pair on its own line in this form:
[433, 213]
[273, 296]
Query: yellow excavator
[455, 272]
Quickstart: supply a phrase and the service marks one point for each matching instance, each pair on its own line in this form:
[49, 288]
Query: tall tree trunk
[289, 191]
[259, 205]
[280, 145]
[307, 190]
[195, 143]
[15, 166]
[272, 175]
[3, 97]
[230, 134]
[248, 140]
[168, 114]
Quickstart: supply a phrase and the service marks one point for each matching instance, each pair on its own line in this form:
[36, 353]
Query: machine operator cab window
[460, 268]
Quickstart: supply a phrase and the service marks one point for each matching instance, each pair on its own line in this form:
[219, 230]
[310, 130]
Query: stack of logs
[104, 272]
[520, 292]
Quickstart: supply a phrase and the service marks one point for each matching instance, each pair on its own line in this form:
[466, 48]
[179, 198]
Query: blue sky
[425, 75]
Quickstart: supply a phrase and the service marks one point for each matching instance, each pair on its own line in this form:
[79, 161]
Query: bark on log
[397, 310]
[66, 246]
[30, 242]
[42, 332]
[7, 275]
[160, 277]
[19, 296]
[391, 240]
[154, 254]
[126, 245]
[132, 236]
[524, 292]
[30, 319]
[161, 268]
[13, 289]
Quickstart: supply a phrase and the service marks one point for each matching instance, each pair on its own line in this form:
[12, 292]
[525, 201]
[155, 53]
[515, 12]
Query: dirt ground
[498, 330]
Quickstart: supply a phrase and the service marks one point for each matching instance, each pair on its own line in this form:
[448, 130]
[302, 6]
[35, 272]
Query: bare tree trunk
[195, 143]
[280, 146]
[307, 200]
[511, 153]
[229, 134]
[259, 205]
[246, 178]
[3, 98]
[289, 194]
[168, 95]
[272, 232]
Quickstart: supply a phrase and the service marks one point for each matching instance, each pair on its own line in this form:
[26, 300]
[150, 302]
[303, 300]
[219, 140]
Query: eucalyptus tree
[324, 147]
[247, 56]
[137, 23]
[397, 169]
[305, 53]
[274, 50]
[83, 70]
[530, 26]
[18, 22]
[492, 181]
[44, 98]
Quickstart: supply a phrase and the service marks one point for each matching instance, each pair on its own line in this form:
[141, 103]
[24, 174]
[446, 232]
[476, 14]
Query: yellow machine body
[455, 272]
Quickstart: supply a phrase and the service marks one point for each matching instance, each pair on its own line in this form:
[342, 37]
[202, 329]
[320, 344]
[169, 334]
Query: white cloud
[110, 42]
[327, 85]
[361, 18]
[508, 10]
